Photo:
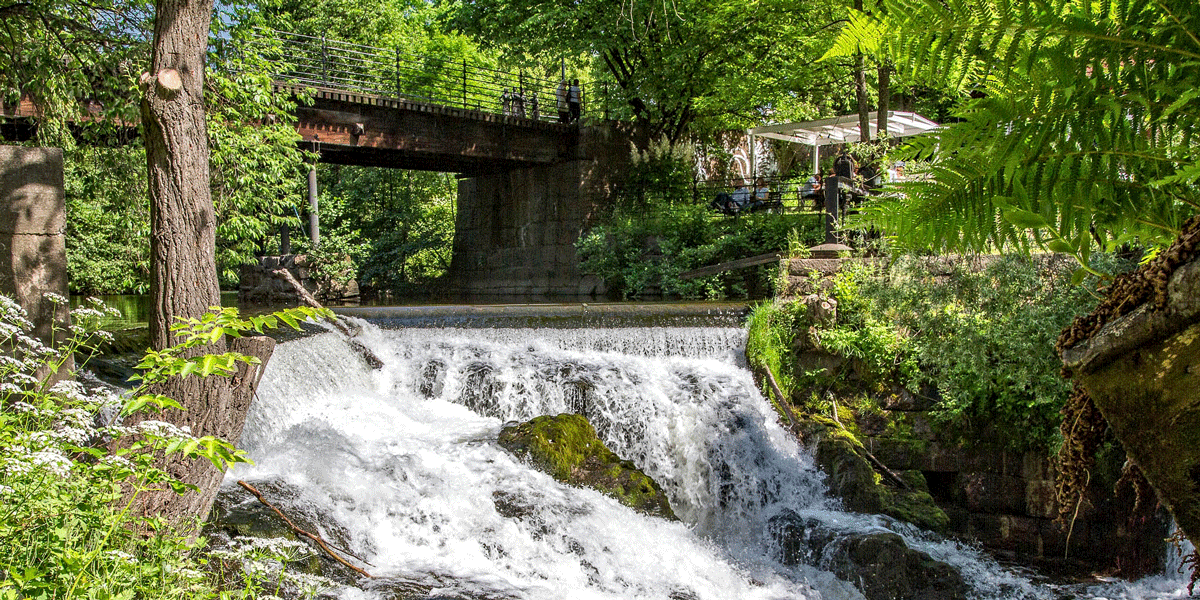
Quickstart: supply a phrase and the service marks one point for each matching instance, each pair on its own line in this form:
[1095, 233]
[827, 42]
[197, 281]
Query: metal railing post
[324, 62]
[398, 94]
[464, 82]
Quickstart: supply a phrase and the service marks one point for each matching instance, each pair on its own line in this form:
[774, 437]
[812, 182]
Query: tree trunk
[183, 276]
[884, 97]
[860, 91]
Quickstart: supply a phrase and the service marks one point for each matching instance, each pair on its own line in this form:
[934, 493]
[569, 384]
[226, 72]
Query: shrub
[70, 472]
[981, 341]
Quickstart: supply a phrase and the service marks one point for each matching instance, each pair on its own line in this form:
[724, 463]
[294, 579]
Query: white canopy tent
[837, 130]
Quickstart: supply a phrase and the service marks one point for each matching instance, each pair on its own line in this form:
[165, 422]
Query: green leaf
[1061, 246]
[1025, 219]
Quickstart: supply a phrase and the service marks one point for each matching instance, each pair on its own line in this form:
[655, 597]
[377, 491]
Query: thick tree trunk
[183, 276]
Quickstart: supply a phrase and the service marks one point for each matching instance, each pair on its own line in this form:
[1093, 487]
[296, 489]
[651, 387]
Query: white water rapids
[402, 465]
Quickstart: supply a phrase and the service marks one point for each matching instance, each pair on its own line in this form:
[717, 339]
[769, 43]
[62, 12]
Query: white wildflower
[99, 304]
[23, 378]
[104, 335]
[162, 429]
[55, 298]
[116, 461]
[77, 330]
[5, 490]
[311, 584]
[9, 388]
[52, 461]
[75, 435]
[121, 555]
[10, 362]
[84, 312]
[76, 417]
[72, 390]
[22, 407]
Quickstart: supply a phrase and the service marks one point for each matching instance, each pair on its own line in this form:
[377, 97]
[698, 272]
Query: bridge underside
[359, 129]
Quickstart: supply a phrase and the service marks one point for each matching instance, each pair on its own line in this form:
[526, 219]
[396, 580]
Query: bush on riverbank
[642, 253]
[976, 344]
[69, 472]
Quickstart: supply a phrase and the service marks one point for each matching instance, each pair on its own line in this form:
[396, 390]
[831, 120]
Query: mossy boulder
[879, 564]
[566, 447]
[851, 478]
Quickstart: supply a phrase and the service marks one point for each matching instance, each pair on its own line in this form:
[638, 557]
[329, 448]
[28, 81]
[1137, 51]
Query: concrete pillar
[33, 255]
[314, 223]
[285, 239]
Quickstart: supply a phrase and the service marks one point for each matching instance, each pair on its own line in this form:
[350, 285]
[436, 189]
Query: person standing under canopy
[574, 100]
[560, 99]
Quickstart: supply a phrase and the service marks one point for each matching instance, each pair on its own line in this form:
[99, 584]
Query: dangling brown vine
[1192, 560]
[1133, 477]
[1083, 429]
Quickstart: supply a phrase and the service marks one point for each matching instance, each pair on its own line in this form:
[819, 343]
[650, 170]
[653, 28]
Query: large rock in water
[879, 564]
[566, 447]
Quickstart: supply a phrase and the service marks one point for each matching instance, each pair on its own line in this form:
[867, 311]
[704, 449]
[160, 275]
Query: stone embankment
[981, 492]
[259, 286]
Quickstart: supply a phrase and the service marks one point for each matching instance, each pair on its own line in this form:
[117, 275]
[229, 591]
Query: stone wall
[515, 230]
[1004, 500]
[257, 284]
[33, 256]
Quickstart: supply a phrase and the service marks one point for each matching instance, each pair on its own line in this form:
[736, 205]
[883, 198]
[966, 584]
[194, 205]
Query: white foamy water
[402, 466]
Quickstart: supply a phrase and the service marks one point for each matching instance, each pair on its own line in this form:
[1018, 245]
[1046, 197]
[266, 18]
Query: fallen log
[318, 540]
[372, 360]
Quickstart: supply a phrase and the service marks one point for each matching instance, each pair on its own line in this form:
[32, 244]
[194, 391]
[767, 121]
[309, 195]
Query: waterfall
[401, 465]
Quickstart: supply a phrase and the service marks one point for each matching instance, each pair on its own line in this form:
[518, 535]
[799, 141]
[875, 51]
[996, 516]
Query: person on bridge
[574, 100]
[560, 98]
[534, 111]
[505, 103]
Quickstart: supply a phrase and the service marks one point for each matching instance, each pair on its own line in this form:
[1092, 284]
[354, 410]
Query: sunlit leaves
[1080, 135]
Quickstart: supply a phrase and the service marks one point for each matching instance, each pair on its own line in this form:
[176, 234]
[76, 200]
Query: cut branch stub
[169, 82]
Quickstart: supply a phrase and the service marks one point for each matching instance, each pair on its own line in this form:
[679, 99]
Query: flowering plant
[67, 463]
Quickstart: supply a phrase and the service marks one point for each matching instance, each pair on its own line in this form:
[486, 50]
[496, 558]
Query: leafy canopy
[1079, 131]
[718, 63]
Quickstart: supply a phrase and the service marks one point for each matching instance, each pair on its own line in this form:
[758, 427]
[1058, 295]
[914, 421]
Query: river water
[401, 464]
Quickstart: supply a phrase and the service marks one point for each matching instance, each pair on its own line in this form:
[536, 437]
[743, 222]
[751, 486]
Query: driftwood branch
[318, 540]
[783, 403]
[341, 326]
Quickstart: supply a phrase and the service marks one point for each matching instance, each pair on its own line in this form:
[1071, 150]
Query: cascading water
[401, 466]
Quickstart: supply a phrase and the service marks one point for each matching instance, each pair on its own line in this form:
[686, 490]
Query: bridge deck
[365, 129]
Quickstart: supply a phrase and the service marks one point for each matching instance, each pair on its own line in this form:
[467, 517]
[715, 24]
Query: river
[401, 464]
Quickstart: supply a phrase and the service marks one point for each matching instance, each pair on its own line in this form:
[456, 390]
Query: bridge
[529, 184]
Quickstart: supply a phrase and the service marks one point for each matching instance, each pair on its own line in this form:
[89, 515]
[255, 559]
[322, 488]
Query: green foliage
[982, 341]
[719, 63]
[67, 484]
[771, 327]
[642, 251]
[1080, 135]
[257, 169]
[658, 231]
[396, 226]
[108, 220]
[61, 52]
[863, 332]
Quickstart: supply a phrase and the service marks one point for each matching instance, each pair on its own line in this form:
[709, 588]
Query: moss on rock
[566, 447]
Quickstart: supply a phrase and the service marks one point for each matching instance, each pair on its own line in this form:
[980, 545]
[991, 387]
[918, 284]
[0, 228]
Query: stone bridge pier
[515, 230]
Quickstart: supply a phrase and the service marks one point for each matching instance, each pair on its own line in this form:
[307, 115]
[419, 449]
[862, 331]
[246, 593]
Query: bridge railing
[327, 63]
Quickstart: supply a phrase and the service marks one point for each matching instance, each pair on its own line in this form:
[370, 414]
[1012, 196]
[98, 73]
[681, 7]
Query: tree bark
[860, 91]
[884, 97]
[183, 277]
